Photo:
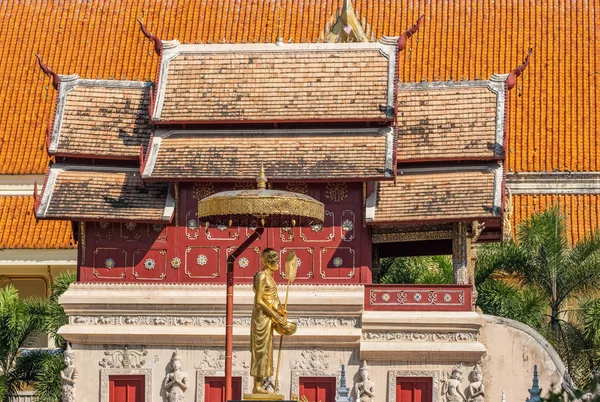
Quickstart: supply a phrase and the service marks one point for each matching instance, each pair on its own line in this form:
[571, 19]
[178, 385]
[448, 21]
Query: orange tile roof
[582, 211]
[20, 229]
[553, 109]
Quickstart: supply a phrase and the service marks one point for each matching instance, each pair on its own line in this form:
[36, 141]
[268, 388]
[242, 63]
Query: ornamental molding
[214, 359]
[196, 321]
[394, 374]
[410, 236]
[146, 287]
[124, 358]
[390, 336]
[312, 359]
[553, 183]
[107, 372]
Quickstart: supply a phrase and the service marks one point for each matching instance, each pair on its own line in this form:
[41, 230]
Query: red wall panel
[186, 251]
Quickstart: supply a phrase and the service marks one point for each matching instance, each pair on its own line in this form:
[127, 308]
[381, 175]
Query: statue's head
[364, 371]
[270, 259]
[476, 374]
[69, 355]
[176, 360]
[457, 372]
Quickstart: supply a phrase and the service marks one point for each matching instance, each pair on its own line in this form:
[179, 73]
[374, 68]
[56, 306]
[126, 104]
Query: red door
[126, 388]
[214, 389]
[318, 389]
[413, 389]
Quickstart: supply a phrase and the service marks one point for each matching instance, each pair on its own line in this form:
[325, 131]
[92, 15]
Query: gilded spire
[262, 179]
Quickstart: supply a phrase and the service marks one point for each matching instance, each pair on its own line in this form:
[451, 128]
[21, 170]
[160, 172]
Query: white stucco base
[153, 321]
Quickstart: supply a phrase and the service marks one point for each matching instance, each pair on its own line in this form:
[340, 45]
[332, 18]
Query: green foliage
[501, 298]
[419, 270]
[533, 278]
[19, 320]
[47, 381]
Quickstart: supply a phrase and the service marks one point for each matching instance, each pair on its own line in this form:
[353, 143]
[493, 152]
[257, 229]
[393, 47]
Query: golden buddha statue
[268, 315]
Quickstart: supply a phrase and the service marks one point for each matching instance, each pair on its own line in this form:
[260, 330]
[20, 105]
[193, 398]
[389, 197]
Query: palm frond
[61, 283]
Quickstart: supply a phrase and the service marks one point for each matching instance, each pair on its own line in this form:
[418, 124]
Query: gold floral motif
[202, 190]
[243, 185]
[301, 188]
[336, 191]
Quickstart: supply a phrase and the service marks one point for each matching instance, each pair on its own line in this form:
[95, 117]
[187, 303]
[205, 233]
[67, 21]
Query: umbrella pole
[229, 311]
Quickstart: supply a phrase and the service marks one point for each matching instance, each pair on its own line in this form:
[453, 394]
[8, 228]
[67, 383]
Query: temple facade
[402, 169]
[405, 163]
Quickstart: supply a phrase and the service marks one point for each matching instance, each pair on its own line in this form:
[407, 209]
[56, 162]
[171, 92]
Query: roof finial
[409, 32]
[157, 42]
[55, 77]
[511, 81]
[262, 179]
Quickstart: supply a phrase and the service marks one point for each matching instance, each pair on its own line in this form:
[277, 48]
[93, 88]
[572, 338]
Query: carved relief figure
[475, 392]
[268, 315]
[451, 386]
[365, 389]
[176, 382]
[68, 376]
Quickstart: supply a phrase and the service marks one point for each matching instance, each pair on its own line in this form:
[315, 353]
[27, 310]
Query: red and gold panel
[103, 230]
[247, 264]
[157, 232]
[149, 264]
[320, 233]
[132, 231]
[305, 259]
[203, 262]
[109, 263]
[347, 225]
[418, 297]
[337, 263]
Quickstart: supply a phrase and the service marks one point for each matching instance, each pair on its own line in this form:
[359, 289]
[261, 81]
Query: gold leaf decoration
[336, 191]
[202, 190]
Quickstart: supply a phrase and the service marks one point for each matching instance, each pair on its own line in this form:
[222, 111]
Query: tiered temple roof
[289, 155]
[552, 124]
[276, 82]
[100, 118]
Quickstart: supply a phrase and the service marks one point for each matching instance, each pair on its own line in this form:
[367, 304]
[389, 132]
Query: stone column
[460, 253]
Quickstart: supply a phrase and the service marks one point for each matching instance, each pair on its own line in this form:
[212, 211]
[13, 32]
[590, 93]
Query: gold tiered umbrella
[258, 208]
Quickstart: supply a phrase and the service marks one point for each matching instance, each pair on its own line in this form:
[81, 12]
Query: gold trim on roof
[345, 26]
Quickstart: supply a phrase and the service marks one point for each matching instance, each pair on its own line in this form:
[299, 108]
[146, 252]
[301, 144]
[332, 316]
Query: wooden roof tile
[88, 193]
[268, 82]
[438, 194]
[316, 154]
[554, 109]
[451, 120]
[101, 118]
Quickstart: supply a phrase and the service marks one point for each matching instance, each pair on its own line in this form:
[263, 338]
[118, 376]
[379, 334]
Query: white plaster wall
[511, 354]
